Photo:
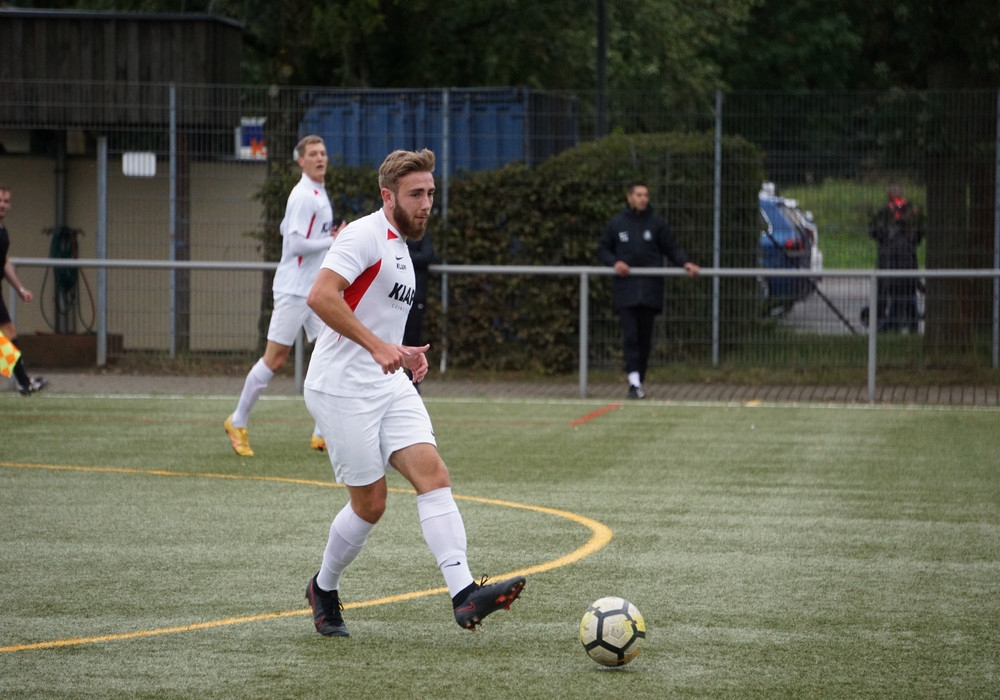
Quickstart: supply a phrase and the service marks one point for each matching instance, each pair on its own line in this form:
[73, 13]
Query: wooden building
[154, 84]
[65, 69]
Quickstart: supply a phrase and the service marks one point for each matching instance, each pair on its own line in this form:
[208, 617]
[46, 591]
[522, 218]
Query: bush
[553, 215]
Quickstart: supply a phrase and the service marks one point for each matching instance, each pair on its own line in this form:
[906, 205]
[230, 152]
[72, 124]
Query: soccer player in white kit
[369, 411]
[306, 233]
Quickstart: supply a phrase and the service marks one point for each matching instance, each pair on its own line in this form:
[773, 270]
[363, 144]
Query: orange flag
[9, 355]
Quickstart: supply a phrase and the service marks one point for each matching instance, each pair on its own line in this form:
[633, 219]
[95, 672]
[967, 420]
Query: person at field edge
[636, 237]
[423, 256]
[896, 228]
[370, 412]
[27, 385]
[307, 230]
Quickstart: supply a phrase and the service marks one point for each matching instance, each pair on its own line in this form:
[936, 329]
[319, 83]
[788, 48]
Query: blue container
[486, 128]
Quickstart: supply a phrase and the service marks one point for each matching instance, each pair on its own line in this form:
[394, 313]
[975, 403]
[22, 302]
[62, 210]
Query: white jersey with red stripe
[373, 257]
[308, 214]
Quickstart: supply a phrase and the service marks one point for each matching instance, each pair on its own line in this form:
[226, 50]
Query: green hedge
[553, 215]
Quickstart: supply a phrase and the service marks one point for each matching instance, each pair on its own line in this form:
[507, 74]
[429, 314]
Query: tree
[862, 44]
[791, 45]
[681, 50]
[668, 47]
[416, 43]
[944, 46]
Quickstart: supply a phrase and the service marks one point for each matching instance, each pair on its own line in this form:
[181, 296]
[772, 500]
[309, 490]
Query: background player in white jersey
[369, 411]
[306, 233]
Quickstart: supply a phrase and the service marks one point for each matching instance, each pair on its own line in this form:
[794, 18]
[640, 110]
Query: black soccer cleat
[326, 609]
[636, 392]
[35, 385]
[485, 599]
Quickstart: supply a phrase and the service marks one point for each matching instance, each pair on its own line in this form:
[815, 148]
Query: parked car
[788, 239]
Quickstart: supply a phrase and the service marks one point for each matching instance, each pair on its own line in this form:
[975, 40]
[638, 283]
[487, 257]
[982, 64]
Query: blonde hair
[305, 142]
[400, 163]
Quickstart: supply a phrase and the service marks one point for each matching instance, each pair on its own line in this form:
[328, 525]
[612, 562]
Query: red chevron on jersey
[354, 293]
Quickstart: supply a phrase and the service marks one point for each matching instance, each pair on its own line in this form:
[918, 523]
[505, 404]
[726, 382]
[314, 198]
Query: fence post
[102, 250]
[443, 364]
[445, 151]
[584, 339]
[445, 196]
[172, 225]
[872, 333]
[717, 227]
[996, 243]
[299, 361]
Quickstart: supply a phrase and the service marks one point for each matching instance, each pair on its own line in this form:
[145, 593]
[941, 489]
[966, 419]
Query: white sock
[633, 379]
[257, 380]
[444, 533]
[348, 534]
[316, 431]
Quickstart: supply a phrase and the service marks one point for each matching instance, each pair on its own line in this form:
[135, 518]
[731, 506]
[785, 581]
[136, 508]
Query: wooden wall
[86, 69]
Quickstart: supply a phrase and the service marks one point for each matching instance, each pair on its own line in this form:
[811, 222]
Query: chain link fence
[185, 164]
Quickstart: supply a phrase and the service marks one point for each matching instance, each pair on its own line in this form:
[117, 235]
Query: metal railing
[582, 273]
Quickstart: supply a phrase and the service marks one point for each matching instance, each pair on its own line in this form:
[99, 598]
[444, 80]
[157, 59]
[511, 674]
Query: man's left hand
[415, 360]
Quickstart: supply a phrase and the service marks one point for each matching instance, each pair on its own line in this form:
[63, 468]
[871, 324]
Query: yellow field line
[600, 535]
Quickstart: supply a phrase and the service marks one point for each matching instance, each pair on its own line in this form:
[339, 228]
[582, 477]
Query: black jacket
[422, 254]
[640, 239]
[898, 230]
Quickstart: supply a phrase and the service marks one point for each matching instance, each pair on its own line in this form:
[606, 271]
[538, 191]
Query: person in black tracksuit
[423, 256]
[636, 237]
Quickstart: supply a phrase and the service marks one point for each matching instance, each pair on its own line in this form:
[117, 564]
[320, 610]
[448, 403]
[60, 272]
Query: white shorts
[362, 432]
[291, 312]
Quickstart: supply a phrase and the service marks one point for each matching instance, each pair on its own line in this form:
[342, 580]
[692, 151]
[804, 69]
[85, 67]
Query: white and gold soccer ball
[612, 631]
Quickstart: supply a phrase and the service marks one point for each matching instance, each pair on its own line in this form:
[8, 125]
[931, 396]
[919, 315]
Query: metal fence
[826, 333]
[185, 162]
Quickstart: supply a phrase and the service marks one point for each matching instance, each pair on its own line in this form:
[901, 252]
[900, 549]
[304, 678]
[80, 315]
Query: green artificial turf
[774, 551]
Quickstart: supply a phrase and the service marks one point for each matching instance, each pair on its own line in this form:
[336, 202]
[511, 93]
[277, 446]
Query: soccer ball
[612, 631]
